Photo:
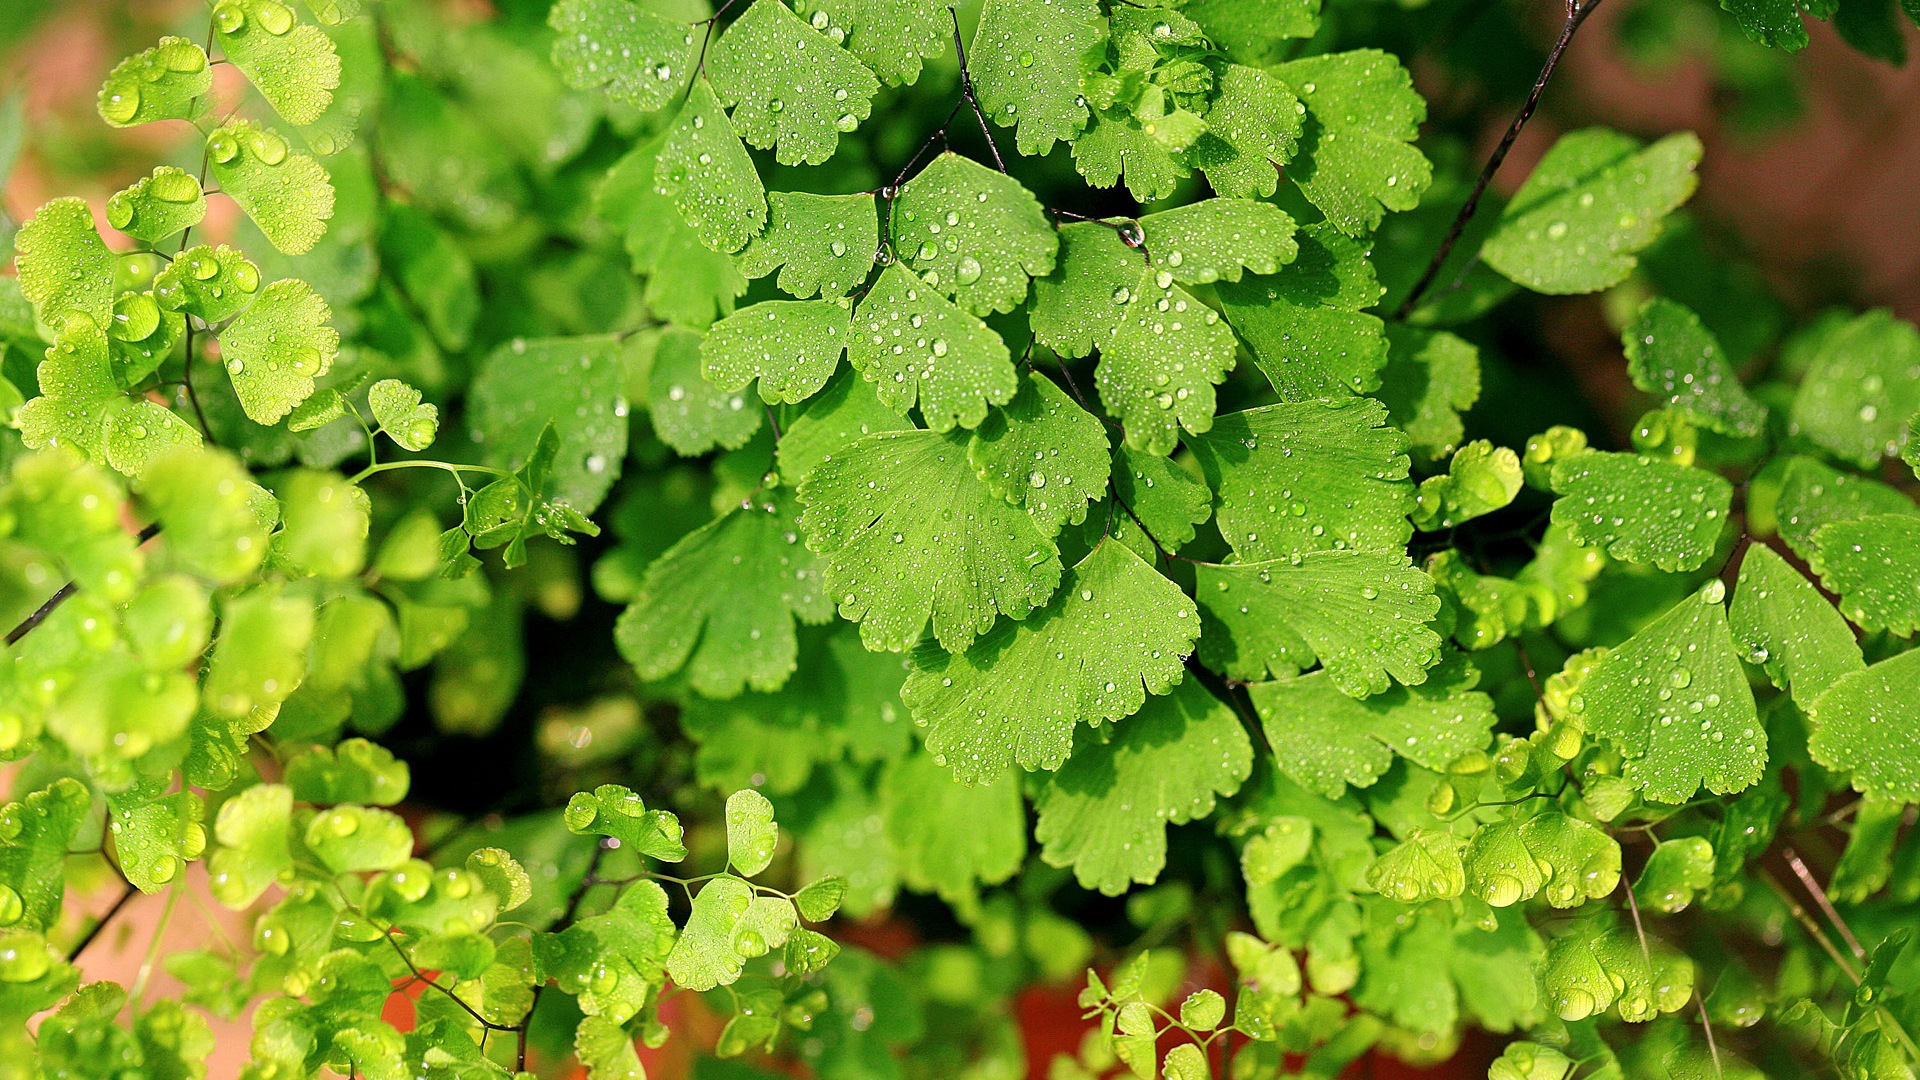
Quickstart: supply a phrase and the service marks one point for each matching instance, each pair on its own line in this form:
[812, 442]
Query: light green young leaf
[165, 82]
[1642, 699]
[1106, 812]
[1873, 564]
[205, 504]
[294, 66]
[1595, 201]
[1861, 387]
[890, 37]
[502, 875]
[791, 88]
[33, 860]
[973, 233]
[818, 901]
[820, 243]
[1336, 461]
[355, 771]
[576, 385]
[1641, 510]
[1165, 353]
[397, 409]
[615, 963]
[912, 533]
[324, 525]
[916, 347]
[1868, 724]
[704, 956]
[1115, 632]
[155, 834]
[1092, 282]
[277, 347]
[1253, 126]
[261, 654]
[751, 832]
[608, 1050]
[1424, 866]
[1672, 356]
[253, 834]
[77, 388]
[1147, 153]
[617, 811]
[359, 839]
[1357, 155]
[1327, 740]
[637, 56]
[708, 175]
[1362, 615]
[1043, 453]
[1167, 500]
[791, 346]
[689, 413]
[158, 206]
[841, 414]
[1480, 479]
[1216, 239]
[722, 601]
[1431, 378]
[1510, 861]
[1305, 324]
[1788, 628]
[1590, 971]
[1675, 871]
[951, 838]
[1027, 58]
[213, 284]
[63, 264]
[287, 195]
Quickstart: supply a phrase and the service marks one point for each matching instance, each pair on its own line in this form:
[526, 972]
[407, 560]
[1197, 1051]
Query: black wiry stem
[966, 89]
[100, 923]
[567, 917]
[41, 613]
[1577, 12]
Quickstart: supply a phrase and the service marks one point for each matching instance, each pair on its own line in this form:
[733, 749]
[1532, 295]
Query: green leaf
[916, 347]
[576, 385]
[615, 963]
[204, 502]
[607, 1050]
[708, 175]
[1026, 61]
[253, 832]
[355, 771]
[324, 524]
[951, 838]
[820, 243]
[791, 346]
[158, 206]
[1480, 479]
[751, 832]
[1862, 385]
[1530, 1061]
[890, 37]
[1093, 280]
[1357, 155]
[1867, 863]
[1774, 23]
[165, 82]
[1250, 30]
[1115, 632]
[616, 811]
[973, 233]
[1145, 152]
[1873, 564]
[1305, 324]
[1165, 353]
[791, 88]
[722, 601]
[77, 390]
[210, 283]
[689, 413]
[1788, 628]
[397, 409]
[277, 347]
[1166, 499]
[704, 956]
[841, 414]
[1672, 356]
[1675, 871]
[503, 876]
[359, 839]
[1431, 378]
[1217, 239]
[63, 264]
[1595, 201]
[1510, 861]
[686, 284]
[1425, 866]
[287, 195]
[1042, 453]
[1254, 124]
[294, 66]
[1326, 740]
[1106, 812]
[1588, 972]
[1813, 494]
[819, 900]
[434, 272]
[1314, 476]
[1674, 701]
[1641, 510]
[638, 57]
[1361, 615]
[260, 656]
[38, 829]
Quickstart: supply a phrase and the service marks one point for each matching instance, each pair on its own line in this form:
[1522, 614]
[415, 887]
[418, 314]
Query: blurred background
[1809, 198]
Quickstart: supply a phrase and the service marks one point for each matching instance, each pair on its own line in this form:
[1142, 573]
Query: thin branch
[1812, 928]
[567, 916]
[186, 380]
[101, 924]
[46, 610]
[966, 88]
[1826, 906]
[1577, 12]
[1706, 1025]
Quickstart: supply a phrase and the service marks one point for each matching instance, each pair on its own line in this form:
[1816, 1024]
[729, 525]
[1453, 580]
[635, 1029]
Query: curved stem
[444, 466]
